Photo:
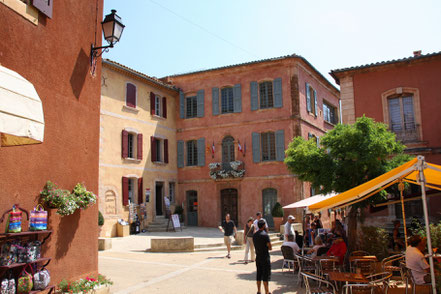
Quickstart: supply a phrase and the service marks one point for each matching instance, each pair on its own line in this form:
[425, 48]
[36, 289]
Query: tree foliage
[348, 156]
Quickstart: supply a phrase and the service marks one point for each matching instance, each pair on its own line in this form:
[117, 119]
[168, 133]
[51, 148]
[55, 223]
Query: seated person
[299, 239]
[416, 261]
[338, 249]
[316, 247]
[290, 242]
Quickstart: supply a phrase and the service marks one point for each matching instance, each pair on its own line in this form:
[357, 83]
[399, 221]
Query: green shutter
[201, 152]
[254, 95]
[200, 101]
[237, 98]
[180, 153]
[315, 103]
[215, 100]
[256, 147]
[181, 104]
[278, 101]
[280, 145]
[308, 98]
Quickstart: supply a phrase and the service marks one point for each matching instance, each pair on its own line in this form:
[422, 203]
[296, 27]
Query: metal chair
[288, 258]
[359, 253]
[306, 265]
[366, 266]
[327, 265]
[327, 287]
[407, 273]
[387, 264]
[380, 280]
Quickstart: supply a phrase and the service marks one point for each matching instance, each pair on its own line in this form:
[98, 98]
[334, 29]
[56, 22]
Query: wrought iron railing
[225, 170]
[408, 135]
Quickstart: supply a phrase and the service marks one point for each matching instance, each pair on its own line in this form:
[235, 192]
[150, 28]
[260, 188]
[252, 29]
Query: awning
[310, 200]
[21, 110]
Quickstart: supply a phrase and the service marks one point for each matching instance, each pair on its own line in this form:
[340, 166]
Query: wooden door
[229, 204]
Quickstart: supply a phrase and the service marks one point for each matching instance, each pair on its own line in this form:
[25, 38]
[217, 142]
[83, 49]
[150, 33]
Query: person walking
[248, 240]
[288, 228]
[259, 217]
[229, 229]
[262, 244]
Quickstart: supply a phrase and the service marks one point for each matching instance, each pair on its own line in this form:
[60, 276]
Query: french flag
[212, 148]
[239, 147]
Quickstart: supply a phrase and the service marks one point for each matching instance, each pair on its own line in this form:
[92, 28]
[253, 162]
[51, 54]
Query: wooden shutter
[254, 95]
[200, 101]
[256, 147]
[152, 103]
[164, 107]
[139, 146]
[44, 6]
[153, 148]
[181, 104]
[308, 98]
[140, 191]
[125, 144]
[315, 103]
[130, 95]
[215, 100]
[201, 152]
[125, 191]
[278, 101]
[237, 98]
[280, 145]
[166, 150]
[180, 150]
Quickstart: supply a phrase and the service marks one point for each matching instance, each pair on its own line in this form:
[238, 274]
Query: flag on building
[244, 148]
[239, 147]
[212, 149]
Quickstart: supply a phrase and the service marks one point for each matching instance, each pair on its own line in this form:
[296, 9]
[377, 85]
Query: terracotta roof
[140, 74]
[381, 63]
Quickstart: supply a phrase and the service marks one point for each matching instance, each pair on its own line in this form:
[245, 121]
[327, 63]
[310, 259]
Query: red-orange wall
[54, 57]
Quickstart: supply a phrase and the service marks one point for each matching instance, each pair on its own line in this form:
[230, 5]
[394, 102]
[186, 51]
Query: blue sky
[164, 37]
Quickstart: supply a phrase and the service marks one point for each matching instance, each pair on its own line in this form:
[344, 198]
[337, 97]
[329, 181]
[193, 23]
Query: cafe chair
[408, 277]
[359, 253]
[306, 265]
[364, 266]
[387, 264]
[380, 281]
[327, 265]
[289, 261]
[358, 289]
[324, 287]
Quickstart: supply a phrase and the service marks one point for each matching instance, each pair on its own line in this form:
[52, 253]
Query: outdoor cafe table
[347, 277]
[351, 258]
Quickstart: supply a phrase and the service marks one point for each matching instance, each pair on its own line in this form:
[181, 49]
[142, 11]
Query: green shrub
[435, 233]
[277, 210]
[179, 210]
[375, 241]
[100, 218]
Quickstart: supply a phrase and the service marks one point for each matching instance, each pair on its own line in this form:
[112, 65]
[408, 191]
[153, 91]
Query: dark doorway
[269, 199]
[159, 192]
[229, 204]
[192, 208]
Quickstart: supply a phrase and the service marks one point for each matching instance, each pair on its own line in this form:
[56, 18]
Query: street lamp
[112, 31]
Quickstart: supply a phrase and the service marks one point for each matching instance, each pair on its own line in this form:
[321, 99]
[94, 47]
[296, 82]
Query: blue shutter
[278, 101]
[200, 98]
[308, 98]
[215, 100]
[180, 153]
[315, 102]
[181, 104]
[256, 147]
[254, 96]
[237, 98]
[201, 152]
[280, 145]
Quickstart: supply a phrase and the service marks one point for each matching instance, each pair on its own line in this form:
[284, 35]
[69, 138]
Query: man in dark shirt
[229, 229]
[262, 244]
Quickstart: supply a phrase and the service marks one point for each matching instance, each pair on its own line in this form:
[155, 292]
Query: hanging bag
[42, 278]
[38, 219]
[25, 283]
[14, 219]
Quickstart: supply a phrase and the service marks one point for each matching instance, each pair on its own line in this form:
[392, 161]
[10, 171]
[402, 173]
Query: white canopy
[21, 110]
[310, 200]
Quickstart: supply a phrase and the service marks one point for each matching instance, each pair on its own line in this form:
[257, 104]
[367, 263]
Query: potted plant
[100, 222]
[277, 213]
[89, 285]
[179, 211]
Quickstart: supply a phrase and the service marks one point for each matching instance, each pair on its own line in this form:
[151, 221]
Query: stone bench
[175, 244]
[104, 243]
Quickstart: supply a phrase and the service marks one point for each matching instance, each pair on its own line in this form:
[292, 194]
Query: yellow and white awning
[21, 110]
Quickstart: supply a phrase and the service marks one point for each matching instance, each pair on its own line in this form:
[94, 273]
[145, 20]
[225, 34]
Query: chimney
[416, 53]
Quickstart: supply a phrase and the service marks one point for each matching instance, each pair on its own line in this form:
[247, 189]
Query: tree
[348, 156]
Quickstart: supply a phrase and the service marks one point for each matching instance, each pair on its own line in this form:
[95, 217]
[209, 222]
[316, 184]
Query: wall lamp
[112, 31]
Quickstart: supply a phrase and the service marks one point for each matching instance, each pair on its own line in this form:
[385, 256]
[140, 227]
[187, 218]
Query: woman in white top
[318, 244]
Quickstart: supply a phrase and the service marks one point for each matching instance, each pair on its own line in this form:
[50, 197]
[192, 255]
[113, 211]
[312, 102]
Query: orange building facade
[234, 124]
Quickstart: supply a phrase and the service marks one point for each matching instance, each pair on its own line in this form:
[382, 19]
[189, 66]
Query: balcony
[226, 170]
[409, 135]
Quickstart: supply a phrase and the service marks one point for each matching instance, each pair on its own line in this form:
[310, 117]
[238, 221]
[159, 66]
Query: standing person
[259, 217]
[262, 244]
[307, 229]
[318, 222]
[248, 240]
[288, 228]
[398, 241]
[229, 229]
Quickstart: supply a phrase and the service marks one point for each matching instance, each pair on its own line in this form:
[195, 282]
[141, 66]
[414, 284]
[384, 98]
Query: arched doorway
[269, 199]
[192, 208]
[229, 204]
[227, 152]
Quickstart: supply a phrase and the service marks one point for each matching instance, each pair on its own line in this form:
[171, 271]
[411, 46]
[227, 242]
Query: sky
[166, 37]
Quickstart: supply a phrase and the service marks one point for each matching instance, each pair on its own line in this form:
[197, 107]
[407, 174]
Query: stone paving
[133, 270]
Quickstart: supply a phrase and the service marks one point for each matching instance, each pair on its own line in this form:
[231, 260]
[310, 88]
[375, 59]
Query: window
[227, 100]
[402, 117]
[171, 192]
[159, 149]
[192, 153]
[316, 139]
[130, 95]
[158, 111]
[26, 10]
[311, 100]
[158, 105]
[192, 106]
[131, 144]
[268, 146]
[227, 152]
[132, 190]
[330, 113]
[266, 94]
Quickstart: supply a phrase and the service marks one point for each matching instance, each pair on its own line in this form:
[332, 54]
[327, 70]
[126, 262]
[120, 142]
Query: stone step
[218, 248]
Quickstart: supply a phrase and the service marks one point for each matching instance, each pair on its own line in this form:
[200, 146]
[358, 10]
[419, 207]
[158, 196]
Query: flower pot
[277, 222]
